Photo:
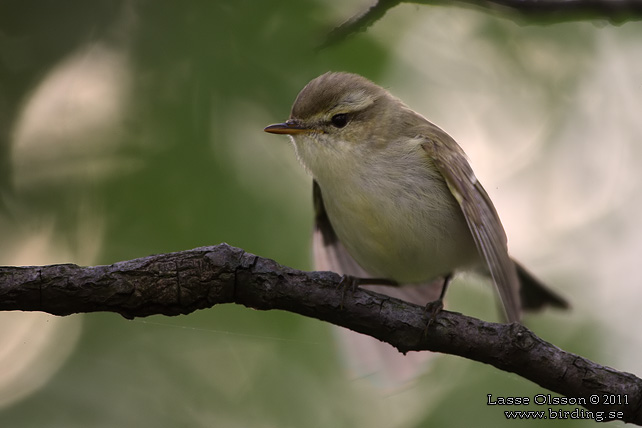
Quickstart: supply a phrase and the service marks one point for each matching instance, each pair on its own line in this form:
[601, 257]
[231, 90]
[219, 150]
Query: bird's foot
[433, 309]
[353, 282]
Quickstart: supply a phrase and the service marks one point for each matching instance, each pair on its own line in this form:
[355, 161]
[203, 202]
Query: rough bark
[182, 282]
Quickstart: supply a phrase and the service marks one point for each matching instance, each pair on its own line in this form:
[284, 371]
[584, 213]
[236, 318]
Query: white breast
[394, 213]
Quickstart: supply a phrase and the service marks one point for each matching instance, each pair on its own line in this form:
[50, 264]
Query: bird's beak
[289, 127]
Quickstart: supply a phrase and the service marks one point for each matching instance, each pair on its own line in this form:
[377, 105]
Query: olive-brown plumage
[395, 196]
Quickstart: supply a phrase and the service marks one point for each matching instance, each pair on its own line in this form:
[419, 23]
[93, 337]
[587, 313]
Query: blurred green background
[129, 128]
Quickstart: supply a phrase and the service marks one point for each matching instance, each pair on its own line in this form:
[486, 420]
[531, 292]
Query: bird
[396, 201]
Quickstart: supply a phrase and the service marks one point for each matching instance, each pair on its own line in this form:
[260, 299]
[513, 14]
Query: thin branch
[539, 12]
[182, 282]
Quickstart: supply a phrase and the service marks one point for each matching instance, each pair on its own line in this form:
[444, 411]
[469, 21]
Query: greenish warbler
[394, 195]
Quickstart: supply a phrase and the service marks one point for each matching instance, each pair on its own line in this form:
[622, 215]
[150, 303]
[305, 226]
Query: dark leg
[353, 282]
[436, 306]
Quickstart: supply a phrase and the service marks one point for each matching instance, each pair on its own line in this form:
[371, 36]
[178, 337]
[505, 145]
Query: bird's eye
[339, 120]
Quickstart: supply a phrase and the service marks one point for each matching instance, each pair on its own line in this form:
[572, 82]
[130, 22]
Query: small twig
[539, 12]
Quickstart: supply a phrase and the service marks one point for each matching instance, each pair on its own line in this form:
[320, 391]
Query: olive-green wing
[480, 214]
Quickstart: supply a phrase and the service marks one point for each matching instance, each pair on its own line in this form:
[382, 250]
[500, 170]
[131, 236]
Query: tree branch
[525, 11]
[182, 282]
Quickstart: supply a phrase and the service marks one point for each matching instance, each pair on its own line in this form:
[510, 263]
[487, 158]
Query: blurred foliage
[135, 127]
